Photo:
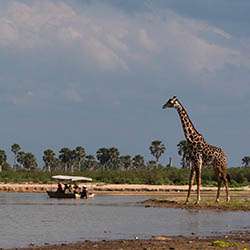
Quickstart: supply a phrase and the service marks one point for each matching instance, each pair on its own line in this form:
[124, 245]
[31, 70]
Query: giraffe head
[171, 103]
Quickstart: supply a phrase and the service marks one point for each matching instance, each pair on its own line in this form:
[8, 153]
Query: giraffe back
[213, 155]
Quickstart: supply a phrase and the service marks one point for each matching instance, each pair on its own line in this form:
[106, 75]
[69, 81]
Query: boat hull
[58, 195]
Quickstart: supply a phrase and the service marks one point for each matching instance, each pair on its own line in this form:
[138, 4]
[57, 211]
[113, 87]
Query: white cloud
[108, 39]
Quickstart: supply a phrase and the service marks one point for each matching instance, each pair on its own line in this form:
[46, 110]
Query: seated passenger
[66, 189]
[84, 193]
[70, 188]
[77, 189]
[59, 188]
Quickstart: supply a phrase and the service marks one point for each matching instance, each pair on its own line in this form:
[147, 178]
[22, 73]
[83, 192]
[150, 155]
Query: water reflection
[34, 218]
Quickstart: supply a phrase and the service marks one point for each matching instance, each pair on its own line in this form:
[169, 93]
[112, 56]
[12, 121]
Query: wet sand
[232, 241]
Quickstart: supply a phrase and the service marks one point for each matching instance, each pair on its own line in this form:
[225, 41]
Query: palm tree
[103, 156]
[29, 161]
[90, 162]
[126, 161]
[157, 148]
[246, 161]
[184, 150]
[138, 162]
[20, 158]
[65, 155]
[3, 159]
[113, 156]
[49, 159]
[15, 148]
[80, 156]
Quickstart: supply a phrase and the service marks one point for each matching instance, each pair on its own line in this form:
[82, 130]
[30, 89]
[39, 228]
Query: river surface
[28, 218]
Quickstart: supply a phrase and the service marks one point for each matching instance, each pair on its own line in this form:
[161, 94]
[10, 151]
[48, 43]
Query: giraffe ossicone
[202, 153]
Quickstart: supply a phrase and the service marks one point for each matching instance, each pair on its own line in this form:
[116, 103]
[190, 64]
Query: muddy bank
[107, 188]
[233, 241]
[236, 205]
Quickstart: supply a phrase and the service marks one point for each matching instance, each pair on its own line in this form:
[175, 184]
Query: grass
[156, 176]
[177, 200]
[224, 244]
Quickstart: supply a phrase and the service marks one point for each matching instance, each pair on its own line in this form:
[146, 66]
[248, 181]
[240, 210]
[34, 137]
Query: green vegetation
[107, 165]
[224, 244]
[20, 176]
[148, 175]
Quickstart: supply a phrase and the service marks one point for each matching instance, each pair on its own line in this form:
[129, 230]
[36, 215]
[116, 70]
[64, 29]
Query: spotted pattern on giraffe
[202, 153]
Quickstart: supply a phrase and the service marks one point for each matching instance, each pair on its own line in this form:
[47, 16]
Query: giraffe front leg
[191, 181]
[198, 166]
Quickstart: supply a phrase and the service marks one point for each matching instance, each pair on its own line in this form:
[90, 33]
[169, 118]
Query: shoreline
[163, 196]
[102, 188]
[238, 240]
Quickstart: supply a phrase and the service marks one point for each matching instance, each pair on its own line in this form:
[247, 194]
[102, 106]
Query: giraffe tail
[229, 179]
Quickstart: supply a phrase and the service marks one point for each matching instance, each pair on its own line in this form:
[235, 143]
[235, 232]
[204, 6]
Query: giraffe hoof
[217, 200]
[197, 203]
[228, 199]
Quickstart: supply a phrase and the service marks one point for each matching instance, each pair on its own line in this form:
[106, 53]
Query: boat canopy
[71, 178]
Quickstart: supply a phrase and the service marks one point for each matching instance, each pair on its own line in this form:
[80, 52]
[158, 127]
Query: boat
[68, 180]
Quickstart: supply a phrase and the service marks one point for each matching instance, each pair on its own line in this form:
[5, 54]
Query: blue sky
[96, 73]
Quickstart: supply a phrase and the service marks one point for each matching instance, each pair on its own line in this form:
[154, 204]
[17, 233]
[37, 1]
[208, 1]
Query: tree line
[77, 159]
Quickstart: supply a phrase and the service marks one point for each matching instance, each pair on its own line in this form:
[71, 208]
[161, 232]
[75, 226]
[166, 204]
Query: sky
[96, 74]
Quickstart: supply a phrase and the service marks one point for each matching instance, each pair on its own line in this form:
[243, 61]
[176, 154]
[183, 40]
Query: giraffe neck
[190, 132]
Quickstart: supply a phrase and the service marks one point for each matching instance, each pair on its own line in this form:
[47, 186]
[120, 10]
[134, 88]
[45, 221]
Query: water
[33, 218]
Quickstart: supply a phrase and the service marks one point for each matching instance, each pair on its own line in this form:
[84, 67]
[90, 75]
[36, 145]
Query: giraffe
[202, 153]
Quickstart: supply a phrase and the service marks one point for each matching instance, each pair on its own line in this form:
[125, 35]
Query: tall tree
[246, 161]
[103, 156]
[20, 158]
[15, 148]
[27, 160]
[157, 148]
[3, 159]
[126, 161]
[184, 150]
[138, 161]
[113, 157]
[49, 159]
[90, 162]
[65, 155]
[79, 156]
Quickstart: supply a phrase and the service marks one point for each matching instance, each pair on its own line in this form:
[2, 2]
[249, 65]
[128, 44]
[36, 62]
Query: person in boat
[59, 188]
[67, 189]
[70, 188]
[84, 193]
[76, 189]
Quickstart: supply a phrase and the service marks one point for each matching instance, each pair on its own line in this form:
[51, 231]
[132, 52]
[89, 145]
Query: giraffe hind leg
[218, 189]
[225, 181]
